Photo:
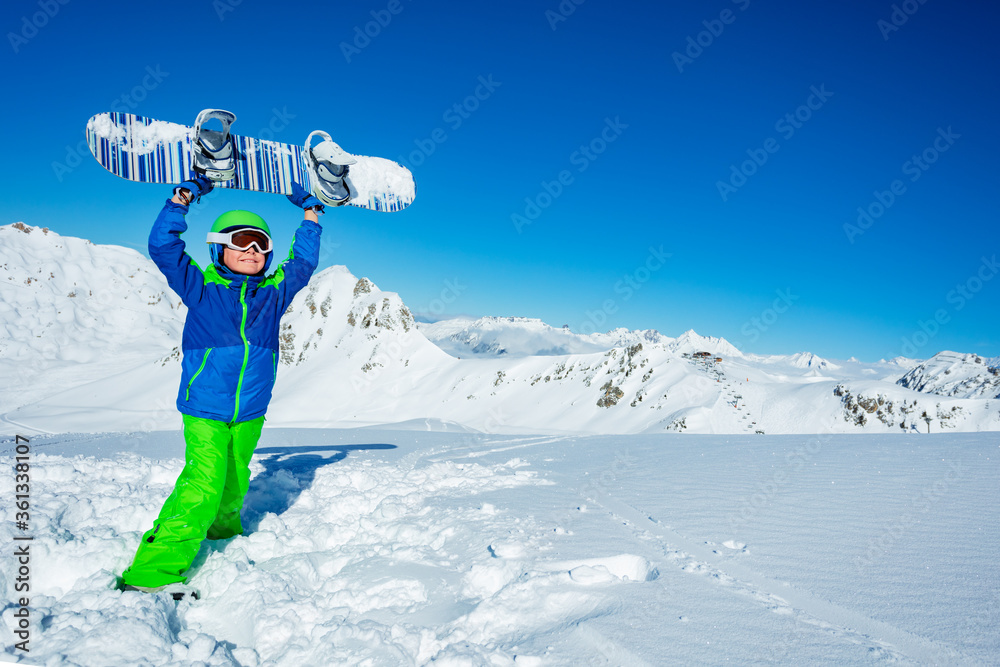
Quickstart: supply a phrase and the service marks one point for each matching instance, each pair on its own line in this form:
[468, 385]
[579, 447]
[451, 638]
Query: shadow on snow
[287, 472]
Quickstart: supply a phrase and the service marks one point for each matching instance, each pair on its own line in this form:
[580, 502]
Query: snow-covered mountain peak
[65, 298]
[336, 307]
[956, 375]
[526, 322]
[507, 336]
[622, 337]
[690, 342]
[810, 361]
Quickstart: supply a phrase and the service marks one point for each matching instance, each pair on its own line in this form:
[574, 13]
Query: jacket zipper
[187, 394]
[246, 348]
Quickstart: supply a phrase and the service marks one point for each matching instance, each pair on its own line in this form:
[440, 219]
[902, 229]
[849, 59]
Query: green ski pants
[205, 502]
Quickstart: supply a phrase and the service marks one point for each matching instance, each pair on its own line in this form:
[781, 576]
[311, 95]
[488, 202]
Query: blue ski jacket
[230, 341]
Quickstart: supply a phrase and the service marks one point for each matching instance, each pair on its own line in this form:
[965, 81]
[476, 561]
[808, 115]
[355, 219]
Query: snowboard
[146, 150]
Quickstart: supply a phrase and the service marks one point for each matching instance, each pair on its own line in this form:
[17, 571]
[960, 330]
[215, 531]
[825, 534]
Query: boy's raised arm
[303, 257]
[166, 248]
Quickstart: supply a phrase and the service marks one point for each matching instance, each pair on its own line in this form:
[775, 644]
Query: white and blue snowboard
[145, 150]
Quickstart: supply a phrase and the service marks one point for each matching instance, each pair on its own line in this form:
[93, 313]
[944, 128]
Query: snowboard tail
[146, 150]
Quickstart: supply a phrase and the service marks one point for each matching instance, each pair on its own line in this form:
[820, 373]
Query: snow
[379, 176]
[142, 139]
[379, 546]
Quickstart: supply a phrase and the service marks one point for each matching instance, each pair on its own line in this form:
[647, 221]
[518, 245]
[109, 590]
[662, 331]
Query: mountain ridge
[352, 354]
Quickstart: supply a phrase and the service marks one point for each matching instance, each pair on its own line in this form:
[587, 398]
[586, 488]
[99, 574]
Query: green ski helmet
[231, 220]
[239, 219]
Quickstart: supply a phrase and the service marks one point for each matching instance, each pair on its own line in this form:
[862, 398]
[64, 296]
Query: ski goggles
[243, 239]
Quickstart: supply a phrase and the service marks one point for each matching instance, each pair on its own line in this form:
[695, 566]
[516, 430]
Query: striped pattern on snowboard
[145, 150]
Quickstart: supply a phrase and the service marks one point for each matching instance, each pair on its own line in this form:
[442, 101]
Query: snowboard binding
[328, 165]
[212, 153]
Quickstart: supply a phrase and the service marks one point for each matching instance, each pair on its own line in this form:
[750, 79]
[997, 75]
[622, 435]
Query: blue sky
[630, 164]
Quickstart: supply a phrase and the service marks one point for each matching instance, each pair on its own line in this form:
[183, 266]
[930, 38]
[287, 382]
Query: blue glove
[198, 186]
[303, 199]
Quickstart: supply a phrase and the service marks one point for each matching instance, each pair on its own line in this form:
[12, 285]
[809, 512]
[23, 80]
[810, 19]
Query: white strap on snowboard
[328, 165]
[213, 153]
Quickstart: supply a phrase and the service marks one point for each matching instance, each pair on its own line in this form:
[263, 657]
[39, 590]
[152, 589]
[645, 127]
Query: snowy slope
[70, 309]
[69, 300]
[405, 548]
[956, 375]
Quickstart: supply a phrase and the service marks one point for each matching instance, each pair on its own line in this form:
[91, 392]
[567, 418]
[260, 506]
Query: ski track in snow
[441, 548]
[702, 559]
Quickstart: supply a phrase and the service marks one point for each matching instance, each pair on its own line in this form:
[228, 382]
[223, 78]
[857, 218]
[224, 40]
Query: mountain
[690, 342]
[105, 329]
[69, 308]
[507, 336]
[810, 360]
[525, 336]
[955, 375]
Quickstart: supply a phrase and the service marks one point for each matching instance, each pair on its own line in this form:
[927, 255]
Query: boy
[230, 347]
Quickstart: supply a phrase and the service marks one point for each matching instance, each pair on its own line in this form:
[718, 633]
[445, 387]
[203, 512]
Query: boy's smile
[248, 263]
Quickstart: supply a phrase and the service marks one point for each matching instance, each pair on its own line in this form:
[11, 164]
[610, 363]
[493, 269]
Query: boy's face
[248, 262]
